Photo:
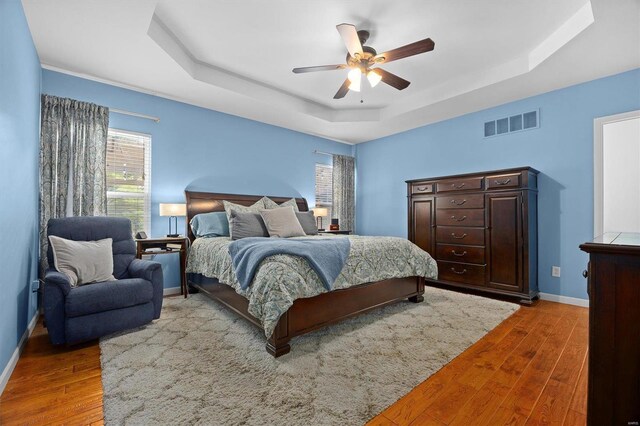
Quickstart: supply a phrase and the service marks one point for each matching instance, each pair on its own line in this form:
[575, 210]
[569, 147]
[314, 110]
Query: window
[324, 187]
[129, 178]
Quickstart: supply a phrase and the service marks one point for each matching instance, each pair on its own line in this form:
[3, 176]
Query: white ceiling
[236, 56]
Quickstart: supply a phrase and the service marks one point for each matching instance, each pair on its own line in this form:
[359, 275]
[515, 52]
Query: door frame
[598, 150]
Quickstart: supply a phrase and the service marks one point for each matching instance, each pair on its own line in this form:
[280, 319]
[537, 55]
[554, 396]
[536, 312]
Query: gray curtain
[344, 198]
[73, 149]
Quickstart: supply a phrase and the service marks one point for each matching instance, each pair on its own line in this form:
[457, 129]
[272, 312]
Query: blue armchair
[78, 314]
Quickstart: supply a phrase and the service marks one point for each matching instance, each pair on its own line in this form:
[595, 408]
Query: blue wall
[19, 141]
[200, 149]
[562, 149]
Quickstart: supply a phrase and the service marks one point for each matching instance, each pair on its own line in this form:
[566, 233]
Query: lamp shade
[320, 211]
[173, 209]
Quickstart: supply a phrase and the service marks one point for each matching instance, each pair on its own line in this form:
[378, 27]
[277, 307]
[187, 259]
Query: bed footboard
[310, 314]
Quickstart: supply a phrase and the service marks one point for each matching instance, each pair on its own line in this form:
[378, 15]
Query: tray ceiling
[236, 56]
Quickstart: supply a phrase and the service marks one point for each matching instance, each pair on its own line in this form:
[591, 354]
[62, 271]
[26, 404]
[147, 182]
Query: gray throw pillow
[270, 204]
[83, 261]
[255, 208]
[282, 222]
[243, 225]
[308, 222]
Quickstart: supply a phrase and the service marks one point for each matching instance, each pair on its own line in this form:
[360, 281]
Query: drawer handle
[458, 237]
[455, 253]
[460, 219]
[458, 186]
[422, 188]
[503, 182]
[457, 203]
[464, 271]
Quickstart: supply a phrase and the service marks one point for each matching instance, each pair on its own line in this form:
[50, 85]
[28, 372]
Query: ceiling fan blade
[342, 91]
[411, 49]
[319, 68]
[350, 37]
[392, 79]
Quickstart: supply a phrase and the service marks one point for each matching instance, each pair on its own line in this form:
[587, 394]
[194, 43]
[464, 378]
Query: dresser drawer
[422, 188]
[460, 217]
[461, 273]
[454, 253]
[460, 235]
[503, 181]
[470, 201]
[465, 184]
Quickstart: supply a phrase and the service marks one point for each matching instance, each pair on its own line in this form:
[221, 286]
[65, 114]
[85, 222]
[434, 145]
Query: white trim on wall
[171, 291]
[598, 149]
[564, 299]
[6, 374]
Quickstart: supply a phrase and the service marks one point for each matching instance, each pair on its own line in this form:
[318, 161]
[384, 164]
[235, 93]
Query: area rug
[202, 364]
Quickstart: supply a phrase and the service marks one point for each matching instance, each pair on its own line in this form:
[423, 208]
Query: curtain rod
[323, 153]
[135, 114]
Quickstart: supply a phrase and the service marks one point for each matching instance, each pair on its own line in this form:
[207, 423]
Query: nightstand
[339, 232]
[153, 246]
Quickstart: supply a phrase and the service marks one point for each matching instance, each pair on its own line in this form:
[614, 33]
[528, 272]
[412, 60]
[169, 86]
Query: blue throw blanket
[325, 256]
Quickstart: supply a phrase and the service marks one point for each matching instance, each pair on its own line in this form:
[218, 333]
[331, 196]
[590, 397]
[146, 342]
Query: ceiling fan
[361, 59]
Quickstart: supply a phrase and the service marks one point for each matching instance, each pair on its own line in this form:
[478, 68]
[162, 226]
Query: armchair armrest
[150, 271]
[144, 269]
[53, 277]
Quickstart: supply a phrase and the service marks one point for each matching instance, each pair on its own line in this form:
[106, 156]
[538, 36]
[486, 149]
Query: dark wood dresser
[481, 228]
[614, 329]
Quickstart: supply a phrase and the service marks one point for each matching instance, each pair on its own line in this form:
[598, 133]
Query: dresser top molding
[489, 172]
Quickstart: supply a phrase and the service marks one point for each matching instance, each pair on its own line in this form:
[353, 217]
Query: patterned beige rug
[202, 364]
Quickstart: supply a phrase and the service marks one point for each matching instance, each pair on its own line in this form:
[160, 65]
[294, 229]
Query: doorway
[617, 173]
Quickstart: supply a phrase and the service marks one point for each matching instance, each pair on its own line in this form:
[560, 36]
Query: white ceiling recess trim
[477, 79]
[237, 83]
[579, 22]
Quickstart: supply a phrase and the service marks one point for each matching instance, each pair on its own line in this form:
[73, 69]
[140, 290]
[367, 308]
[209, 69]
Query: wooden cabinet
[481, 228]
[614, 329]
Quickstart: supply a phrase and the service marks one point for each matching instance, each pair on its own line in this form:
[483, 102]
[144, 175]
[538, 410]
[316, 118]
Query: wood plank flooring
[530, 370]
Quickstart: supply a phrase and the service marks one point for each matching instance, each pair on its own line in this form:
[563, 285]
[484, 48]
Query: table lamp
[318, 212]
[173, 210]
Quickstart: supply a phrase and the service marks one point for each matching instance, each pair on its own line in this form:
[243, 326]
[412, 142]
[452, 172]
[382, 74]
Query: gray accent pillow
[270, 204]
[282, 222]
[308, 222]
[83, 261]
[255, 208]
[243, 225]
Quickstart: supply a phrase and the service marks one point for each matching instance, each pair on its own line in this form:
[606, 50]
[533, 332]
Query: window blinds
[324, 185]
[129, 178]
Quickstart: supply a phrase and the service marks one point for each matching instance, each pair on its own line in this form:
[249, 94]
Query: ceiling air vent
[514, 123]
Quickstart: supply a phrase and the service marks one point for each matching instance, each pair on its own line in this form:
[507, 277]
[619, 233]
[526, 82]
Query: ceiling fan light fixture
[355, 77]
[374, 78]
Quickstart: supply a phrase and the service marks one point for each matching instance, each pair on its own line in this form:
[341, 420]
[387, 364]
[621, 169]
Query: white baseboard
[565, 299]
[6, 374]
[171, 291]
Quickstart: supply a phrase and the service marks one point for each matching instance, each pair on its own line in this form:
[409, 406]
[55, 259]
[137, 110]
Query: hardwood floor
[531, 370]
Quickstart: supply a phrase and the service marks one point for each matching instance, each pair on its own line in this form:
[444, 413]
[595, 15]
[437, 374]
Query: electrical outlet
[35, 285]
[555, 271]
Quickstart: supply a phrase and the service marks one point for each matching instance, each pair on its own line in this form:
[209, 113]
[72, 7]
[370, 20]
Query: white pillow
[282, 222]
[83, 261]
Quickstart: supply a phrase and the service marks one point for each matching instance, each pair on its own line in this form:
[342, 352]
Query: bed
[305, 314]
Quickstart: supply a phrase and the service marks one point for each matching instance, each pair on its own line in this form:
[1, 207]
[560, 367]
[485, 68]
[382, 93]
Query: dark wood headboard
[206, 202]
